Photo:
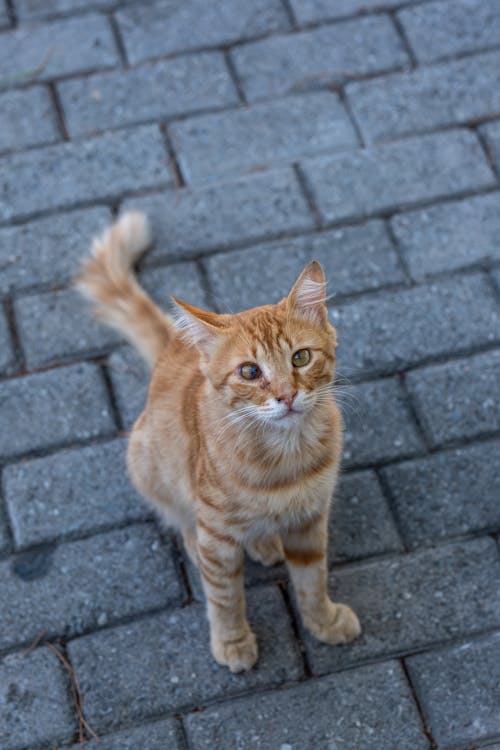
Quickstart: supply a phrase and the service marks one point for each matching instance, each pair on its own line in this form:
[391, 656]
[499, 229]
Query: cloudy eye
[249, 371]
[301, 357]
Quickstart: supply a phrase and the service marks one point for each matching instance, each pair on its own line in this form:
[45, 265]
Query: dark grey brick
[491, 134]
[97, 580]
[393, 330]
[163, 663]
[354, 258]
[458, 688]
[27, 118]
[228, 143]
[166, 26]
[7, 356]
[458, 399]
[53, 408]
[31, 52]
[451, 27]
[398, 174]
[429, 97]
[449, 236]
[447, 494]
[330, 54]
[70, 493]
[158, 735]
[47, 250]
[413, 601]
[158, 90]
[371, 707]
[130, 378]
[311, 11]
[34, 701]
[189, 222]
[4, 533]
[93, 169]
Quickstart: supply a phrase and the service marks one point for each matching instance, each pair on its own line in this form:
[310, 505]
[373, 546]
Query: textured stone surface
[181, 279]
[70, 493]
[4, 16]
[159, 90]
[311, 11]
[295, 62]
[36, 9]
[7, 355]
[458, 399]
[458, 689]
[27, 118]
[158, 735]
[4, 533]
[397, 174]
[130, 377]
[262, 135]
[491, 134]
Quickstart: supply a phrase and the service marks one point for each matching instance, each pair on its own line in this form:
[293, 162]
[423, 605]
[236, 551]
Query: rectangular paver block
[27, 118]
[312, 11]
[130, 377]
[34, 9]
[158, 735]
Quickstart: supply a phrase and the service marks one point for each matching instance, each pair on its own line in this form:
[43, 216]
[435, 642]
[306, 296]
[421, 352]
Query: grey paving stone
[393, 330]
[447, 494]
[159, 735]
[491, 133]
[52, 408]
[36, 9]
[34, 701]
[4, 533]
[413, 601]
[7, 355]
[26, 119]
[458, 689]
[163, 664]
[451, 27]
[30, 52]
[311, 11]
[229, 143]
[354, 259]
[449, 236]
[167, 26]
[159, 90]
[430, 97]
[86, 584]
[47, 251]
[330, 54]
[130, 378]
[90, 170]
[181, 279]
[369, 708]
[54, 326]
[396, 175]
[458, 399]
[4, 16]
[189, 222]
[70, 493]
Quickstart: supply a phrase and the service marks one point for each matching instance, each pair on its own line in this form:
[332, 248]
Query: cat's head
[274, 363]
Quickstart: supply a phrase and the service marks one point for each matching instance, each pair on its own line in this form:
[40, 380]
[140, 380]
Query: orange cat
[240, 440]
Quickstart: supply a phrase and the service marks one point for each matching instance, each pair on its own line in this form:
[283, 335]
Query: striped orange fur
[234, 463]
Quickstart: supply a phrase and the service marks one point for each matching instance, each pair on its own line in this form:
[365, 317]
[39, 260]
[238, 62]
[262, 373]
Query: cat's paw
[268, 550]
[238, 655]
[339, 625]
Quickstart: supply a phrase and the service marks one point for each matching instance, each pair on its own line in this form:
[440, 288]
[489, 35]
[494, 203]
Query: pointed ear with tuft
[308, 295]
[199, 327]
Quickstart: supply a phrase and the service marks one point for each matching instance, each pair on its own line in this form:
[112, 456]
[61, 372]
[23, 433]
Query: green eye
[301, 357]
[249, 371]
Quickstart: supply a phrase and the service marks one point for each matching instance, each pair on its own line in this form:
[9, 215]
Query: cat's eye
[249, 371]
[301, 357]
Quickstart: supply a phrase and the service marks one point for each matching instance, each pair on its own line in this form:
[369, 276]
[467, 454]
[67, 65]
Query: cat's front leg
[306, 557]
[220, 561]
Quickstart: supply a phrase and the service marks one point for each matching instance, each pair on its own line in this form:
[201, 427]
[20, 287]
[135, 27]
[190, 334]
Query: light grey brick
[97, 580]
[414, 601]
[7, 356]
[491, 134]
[47, 251]
[458, 399]
[130, 378]
[228, 143]
[354, 259]
[447, 494]
[430, 97]
[70, 493]
[27, 118]
[451, 27]
[158, 735]
[365, 708]
[449, 236]
[396, 175]
[162, 664]
[458, 690]
[167, 26]
[90, 170]
[330, 54]
[191, 221]
[159, 90]
[392, 330]
[59, 325]
[311, 11]
[34, 701]
[35, 9]
[52, 408]
[41, 52]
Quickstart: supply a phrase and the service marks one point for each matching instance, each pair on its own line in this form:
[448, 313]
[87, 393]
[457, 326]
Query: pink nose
[287, 398]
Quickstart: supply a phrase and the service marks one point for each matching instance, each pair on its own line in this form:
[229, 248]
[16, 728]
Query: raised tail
[108, 281]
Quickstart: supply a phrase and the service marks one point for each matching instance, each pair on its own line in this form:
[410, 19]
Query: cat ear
[200, 327]
[308, 295]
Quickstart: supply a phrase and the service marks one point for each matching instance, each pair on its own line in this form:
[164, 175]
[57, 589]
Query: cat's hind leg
[267, 550]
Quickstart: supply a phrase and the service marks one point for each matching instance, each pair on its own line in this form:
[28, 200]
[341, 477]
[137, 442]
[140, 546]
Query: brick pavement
[256, 134]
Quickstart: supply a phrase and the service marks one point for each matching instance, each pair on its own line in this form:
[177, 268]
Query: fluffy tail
[108, 281]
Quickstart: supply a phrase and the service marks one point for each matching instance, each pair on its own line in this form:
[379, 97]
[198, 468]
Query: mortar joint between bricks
[233, 74]
[404, 39]
[414, 413]
[113, 405]
[307, 193]
[290, 13]
[283, 588]
[15, 338]
[387, 492]
[399, 252]
[487, 152]
[120, 45]
[350, 114]
[425, 726]
[179, 181]
[11, 12]
[58, 109]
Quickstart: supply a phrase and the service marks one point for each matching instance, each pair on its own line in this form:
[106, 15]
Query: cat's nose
[287, 398]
